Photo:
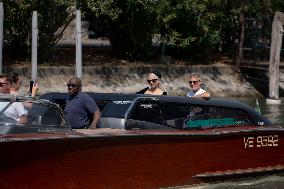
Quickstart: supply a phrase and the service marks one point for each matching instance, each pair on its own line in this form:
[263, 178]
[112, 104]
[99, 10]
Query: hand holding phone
[31, 86]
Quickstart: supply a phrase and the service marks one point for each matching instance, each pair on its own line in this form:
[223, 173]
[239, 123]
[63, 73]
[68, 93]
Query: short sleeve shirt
[79, 110]
[191, 93]
[15, 110]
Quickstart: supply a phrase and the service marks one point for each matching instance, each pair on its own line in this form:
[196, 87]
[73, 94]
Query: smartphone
[31, 86]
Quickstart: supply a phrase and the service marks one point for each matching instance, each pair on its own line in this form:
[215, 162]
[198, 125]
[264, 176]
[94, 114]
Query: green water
[274, 113]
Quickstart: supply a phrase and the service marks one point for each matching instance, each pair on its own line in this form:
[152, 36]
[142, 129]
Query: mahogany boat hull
[137, 159]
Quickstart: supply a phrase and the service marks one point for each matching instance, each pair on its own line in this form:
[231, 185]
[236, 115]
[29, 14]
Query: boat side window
[146, 114]
[175, 114]
[214, 116]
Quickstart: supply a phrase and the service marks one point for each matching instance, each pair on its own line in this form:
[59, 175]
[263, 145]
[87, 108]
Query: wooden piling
[275, 48]
[1, 34]
[78, 71]
[34, 46]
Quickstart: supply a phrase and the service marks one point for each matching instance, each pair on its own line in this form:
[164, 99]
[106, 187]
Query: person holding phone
[16, 84]
[33, 89]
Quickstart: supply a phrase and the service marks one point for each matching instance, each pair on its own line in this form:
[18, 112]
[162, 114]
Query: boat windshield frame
[10, 99]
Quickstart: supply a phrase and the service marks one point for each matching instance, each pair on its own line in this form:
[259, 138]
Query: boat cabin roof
[139, 106]
[135, 112]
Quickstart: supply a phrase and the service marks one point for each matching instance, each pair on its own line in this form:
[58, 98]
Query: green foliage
[103, 7]
[132, 30]
[58, 15]
[17, 26]
[191, 29]
[53, 17]
[190, 25]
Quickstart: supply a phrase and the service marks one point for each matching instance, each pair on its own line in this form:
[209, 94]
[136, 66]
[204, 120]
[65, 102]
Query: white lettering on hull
[261, 141]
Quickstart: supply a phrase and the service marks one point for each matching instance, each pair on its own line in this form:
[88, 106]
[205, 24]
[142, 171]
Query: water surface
[274, 113]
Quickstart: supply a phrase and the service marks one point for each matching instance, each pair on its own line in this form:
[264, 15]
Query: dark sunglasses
[194, 82]
[71, 85]
[153, 80]
[2, 84]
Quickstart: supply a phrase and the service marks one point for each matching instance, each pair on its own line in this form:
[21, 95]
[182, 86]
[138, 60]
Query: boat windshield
[30, 112]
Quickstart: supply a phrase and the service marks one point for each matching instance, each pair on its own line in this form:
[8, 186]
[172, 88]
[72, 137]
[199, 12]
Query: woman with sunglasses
[154, 81]
[195, 85]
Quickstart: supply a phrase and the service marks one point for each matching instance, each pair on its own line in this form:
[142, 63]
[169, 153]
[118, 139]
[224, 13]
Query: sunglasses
[71, 85]
[193, 82]
[152, 80]
[2, 84]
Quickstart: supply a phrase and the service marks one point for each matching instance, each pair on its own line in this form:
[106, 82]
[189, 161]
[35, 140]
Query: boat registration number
[261, 141]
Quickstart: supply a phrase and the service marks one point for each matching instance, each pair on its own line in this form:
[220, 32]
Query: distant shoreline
[220, 79]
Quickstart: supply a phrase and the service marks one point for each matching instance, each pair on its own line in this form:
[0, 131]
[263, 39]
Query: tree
[239, 53]
[236, 16]
[17, 26]
[53, 17]
[132, 32]
[131, 25]
[191, 27]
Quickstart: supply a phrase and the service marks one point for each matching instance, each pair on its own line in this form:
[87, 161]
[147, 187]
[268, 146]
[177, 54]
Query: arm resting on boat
[96, 118]
[204, 95]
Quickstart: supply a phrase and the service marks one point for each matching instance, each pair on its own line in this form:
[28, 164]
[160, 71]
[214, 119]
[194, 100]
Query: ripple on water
[263, 182]
[274, 113]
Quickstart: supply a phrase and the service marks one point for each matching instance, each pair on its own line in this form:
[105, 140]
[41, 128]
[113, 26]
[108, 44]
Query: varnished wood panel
[138, 161]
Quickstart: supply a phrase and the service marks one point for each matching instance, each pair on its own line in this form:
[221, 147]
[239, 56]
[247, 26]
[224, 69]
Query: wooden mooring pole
[78, 71]
[275, 48]
[34, 46]
[1, 34]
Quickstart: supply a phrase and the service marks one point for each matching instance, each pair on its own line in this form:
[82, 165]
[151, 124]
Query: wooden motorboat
[144, 142]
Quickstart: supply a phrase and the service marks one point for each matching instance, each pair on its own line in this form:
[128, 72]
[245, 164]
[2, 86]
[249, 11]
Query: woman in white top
[196, 90]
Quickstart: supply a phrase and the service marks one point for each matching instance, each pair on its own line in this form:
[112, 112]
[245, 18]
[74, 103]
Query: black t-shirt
[145, 89]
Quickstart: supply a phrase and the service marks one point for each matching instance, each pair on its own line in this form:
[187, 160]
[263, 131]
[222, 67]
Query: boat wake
[264, 182]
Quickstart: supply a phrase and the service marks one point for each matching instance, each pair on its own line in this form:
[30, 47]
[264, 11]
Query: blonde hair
[159, 76]
[195, 75]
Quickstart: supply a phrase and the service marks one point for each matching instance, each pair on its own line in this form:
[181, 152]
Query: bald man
[81, 109]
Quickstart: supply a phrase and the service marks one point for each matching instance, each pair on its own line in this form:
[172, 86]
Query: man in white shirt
[196, 90]
[15, 110]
